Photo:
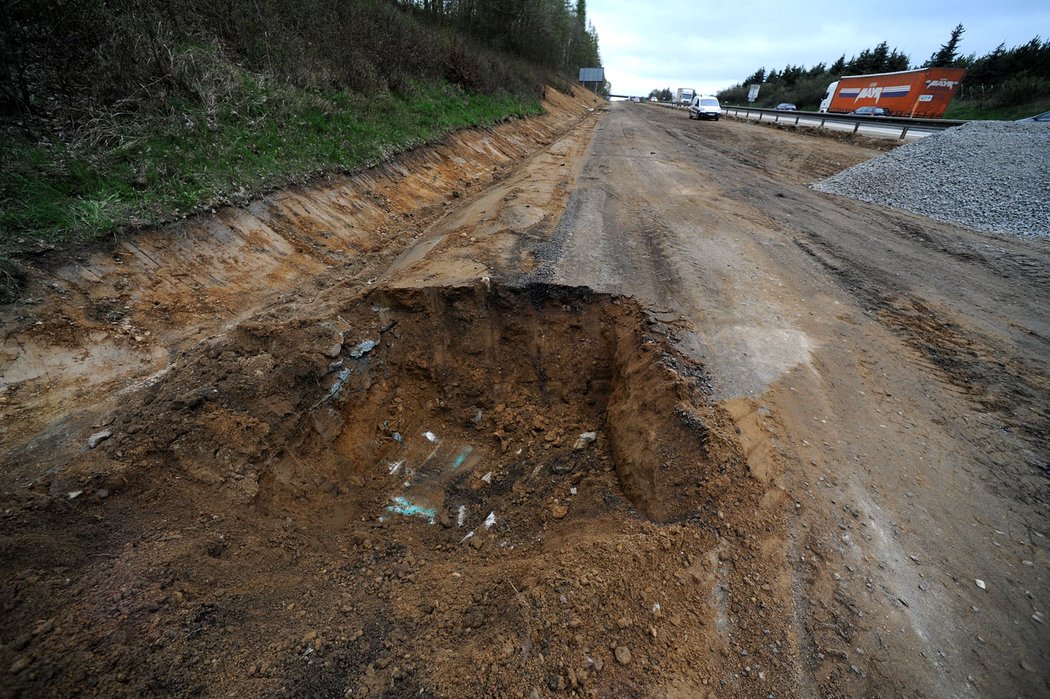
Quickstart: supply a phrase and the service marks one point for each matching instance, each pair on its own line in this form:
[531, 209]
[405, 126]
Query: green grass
[127, 171]
[971, 109]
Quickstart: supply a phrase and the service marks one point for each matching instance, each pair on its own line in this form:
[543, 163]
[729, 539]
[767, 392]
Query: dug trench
[450, 491]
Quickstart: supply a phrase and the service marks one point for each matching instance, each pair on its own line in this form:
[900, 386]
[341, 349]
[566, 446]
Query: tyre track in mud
[905, 378]
[982, 369]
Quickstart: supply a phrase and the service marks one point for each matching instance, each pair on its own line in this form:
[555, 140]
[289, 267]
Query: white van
[705, 107]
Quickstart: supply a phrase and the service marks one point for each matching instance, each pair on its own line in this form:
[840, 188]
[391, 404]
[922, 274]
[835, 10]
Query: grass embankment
[134, 170]
[971, 109]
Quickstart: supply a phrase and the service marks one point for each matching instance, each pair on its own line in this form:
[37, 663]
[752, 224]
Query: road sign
[592, 75]
[752, 93]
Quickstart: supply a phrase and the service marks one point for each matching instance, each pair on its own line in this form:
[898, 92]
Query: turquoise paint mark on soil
[403, 506]
[463, 454]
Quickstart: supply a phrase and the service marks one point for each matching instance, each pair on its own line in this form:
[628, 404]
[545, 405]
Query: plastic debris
[403, 506]
[97, 438]
[363, 348]
[398, 438]
[584, 439]
[490, 520]
[469, 534]
[461, 457]
[396, 466]
[430, 436]
[487, 478]
[74, 494]
[461, 515]
[340, 380]
[980, 584]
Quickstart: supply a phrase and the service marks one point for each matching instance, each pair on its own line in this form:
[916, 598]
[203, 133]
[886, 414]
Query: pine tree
[949, 52]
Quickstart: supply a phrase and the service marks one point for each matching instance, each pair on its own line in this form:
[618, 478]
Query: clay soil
[606, 403]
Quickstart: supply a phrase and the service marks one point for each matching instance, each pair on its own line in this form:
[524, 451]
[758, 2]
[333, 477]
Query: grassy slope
[134, 170]
[967, 109]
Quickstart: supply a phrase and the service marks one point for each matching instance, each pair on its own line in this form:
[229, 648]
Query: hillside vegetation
[1007, 83]
[122, 113]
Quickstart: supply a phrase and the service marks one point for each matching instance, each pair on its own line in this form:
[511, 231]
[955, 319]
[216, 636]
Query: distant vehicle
[870, 111]
[705, 107]
[653, 99]
[1040, 118]
[785, 107]
[923, 93]
[684, 95]
[636, 99]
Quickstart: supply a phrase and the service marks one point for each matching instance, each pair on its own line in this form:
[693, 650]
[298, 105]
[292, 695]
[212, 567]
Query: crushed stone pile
[987, 175]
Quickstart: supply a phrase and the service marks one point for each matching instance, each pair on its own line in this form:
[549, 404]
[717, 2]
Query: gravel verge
[991, 176]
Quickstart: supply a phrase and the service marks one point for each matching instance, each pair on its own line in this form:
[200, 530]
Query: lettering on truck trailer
[859, 93]
[950, 84]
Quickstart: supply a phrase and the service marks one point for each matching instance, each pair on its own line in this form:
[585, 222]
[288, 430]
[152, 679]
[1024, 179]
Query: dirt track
[816, 423]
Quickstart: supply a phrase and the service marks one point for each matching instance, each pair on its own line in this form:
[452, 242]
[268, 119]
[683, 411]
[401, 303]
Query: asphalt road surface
[872, 130]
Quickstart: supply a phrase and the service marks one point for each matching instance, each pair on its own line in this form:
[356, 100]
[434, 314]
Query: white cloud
[675, 43]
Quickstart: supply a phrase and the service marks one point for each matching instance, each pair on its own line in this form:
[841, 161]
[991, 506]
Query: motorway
[847, 124]
[834, 122]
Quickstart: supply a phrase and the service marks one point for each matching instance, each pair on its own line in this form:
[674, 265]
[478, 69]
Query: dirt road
[638, 415]
[898, 368]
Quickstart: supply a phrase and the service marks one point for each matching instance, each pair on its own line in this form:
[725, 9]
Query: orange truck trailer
[922, 93]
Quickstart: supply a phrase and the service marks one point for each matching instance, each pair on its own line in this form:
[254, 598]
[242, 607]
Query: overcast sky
[712, 45]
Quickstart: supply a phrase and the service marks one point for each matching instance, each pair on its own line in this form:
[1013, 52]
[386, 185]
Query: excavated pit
[452, 405]
[443, 406]
[436, 472]
[425, 405]
[446, 405]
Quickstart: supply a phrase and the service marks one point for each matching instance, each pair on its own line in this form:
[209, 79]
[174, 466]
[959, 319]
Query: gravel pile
[992, 176]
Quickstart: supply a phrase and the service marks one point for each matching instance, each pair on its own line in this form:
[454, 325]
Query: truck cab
[828, 94]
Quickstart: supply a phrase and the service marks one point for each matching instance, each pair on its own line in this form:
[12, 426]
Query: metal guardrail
[904, 123]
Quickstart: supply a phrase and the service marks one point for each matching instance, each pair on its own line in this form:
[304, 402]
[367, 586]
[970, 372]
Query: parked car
[871, 111]
[785, 107]
[705, 107]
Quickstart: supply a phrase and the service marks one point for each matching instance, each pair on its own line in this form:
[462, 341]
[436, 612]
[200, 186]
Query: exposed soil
[639, 414]
[276, 513]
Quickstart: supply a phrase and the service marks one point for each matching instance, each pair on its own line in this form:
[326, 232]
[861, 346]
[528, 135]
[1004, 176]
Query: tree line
[79, 56]
[1020, 74]
[555, 34]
